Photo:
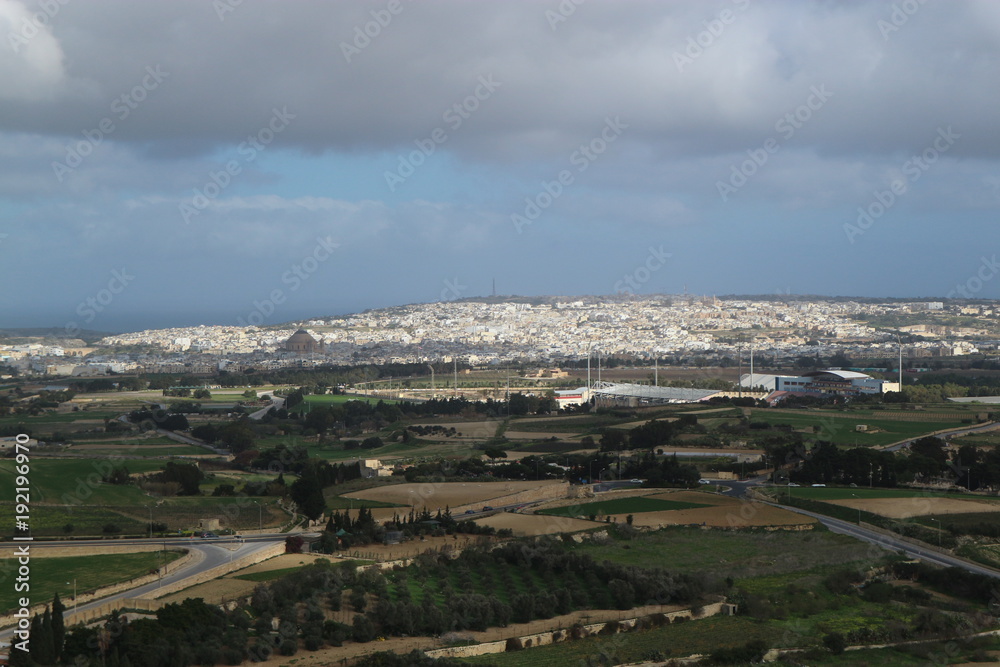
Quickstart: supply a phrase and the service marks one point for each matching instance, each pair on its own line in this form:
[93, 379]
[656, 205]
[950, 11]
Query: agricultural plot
[736, 553]
[840, 428]
[621, 506]
[78, 520]
[49, 575]
[529, 525]
[898, 503]
[899, 508]
[52, 479]
[549, 448]
[658, 644]
[658, 508]
[451, 494]
[828, 493]
[336, 399]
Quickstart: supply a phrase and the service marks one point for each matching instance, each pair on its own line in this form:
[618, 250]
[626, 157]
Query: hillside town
[550, 330]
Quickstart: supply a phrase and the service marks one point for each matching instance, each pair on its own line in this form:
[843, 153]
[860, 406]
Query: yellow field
[440, 494]
[904, 508]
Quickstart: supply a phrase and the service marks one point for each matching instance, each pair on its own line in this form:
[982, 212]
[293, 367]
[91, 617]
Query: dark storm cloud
[692, 78]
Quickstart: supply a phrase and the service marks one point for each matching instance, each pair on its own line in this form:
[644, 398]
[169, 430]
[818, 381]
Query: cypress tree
[46, 654]
[35, 637]
[58, 626]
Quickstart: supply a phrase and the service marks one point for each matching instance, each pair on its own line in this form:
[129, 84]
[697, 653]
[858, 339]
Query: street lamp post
[74, 594]
[260, 516]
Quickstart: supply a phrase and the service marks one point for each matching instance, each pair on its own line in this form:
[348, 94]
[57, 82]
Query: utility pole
[899, 343]
[739, 373]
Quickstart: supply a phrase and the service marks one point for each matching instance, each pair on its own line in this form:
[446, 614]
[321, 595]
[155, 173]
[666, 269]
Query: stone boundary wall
[217, 571]
[91, 615]
[189, 558]
[8, 550]
[547, 492]
[565, 634]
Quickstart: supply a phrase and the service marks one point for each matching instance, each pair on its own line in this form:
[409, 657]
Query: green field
[550, 447]
[632, 505]
[333, 399]
[50, 575]
[267, 575]
[742, 553]
[149, 451]
[839, 427]
[52, 479]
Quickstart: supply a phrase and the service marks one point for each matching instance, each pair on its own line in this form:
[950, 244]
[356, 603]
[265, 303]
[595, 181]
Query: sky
[258, 162]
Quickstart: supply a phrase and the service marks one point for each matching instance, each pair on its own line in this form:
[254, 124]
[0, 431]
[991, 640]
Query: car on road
[209, 536]
[470, 511]
[487, 508]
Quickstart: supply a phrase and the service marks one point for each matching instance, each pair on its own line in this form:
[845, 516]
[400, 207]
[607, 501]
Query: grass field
[839, 428]
[52, 479]
[550, 447]
[333, 399]
[49, 575]
[633, 505]
[147, 451]
[742, 553]
[267, 575]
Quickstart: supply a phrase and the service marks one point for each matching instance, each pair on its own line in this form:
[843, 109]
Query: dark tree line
[926, 460]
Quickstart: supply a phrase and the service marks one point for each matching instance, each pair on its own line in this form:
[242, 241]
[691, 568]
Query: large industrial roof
[645, 391]
[843, 375]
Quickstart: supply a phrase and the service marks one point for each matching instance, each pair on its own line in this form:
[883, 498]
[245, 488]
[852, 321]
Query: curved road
[208, 553]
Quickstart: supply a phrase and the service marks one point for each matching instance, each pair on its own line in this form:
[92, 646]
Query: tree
[495, 453]
[293, 544]
[58, 625]
[835, 643]
[307, 492]
[364, 629]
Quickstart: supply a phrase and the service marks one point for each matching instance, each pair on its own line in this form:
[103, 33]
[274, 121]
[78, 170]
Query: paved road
[207, 554]
[928, 554]
[276, 402]
[950, 434]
